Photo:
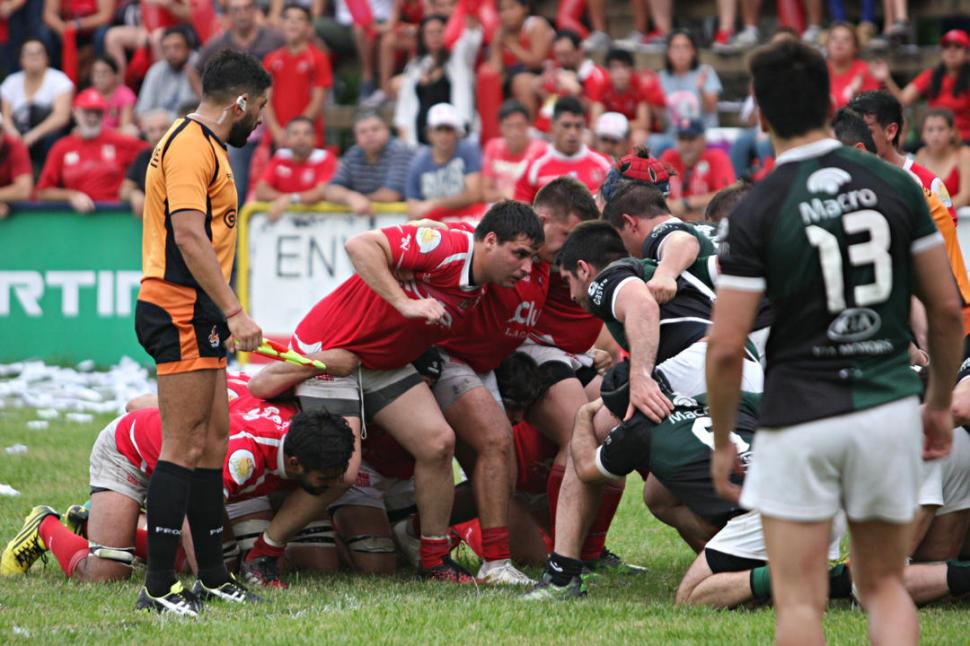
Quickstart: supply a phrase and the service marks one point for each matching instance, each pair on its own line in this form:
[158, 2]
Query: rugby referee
[185, 318]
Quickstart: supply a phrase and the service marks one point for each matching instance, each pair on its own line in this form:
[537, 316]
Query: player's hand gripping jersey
[355, 318]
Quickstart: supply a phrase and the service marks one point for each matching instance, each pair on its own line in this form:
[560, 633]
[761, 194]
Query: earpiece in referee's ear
[241, 103]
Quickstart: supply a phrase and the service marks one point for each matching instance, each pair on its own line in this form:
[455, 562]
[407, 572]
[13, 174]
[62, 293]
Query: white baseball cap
[613, 125]
[445, 114]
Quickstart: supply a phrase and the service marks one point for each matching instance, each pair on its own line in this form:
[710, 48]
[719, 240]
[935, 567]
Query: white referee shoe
[502, 573]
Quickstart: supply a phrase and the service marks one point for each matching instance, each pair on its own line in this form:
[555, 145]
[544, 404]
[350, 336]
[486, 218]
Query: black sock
[840, 582]
[562, 569]
[167, 499]
[205, 519]
[958, 577]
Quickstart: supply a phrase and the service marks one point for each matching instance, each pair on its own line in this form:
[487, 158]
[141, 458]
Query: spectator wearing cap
[167, 85]
[297, 174]
[572, 73]
[637, 96]
[16, 174]
[567, 155]
[945, 86]
[88, 165]
[506, 157]
[40, 115]
[700, 172]
[437, 76]
[154, 124]
[445, 178]
[612, 135]
[375, 169]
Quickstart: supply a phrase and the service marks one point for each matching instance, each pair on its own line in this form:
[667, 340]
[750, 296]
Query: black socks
[562, 569]
[166, 502]
[205, 518]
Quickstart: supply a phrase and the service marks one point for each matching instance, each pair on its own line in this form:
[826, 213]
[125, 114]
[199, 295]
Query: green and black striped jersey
[829, 237]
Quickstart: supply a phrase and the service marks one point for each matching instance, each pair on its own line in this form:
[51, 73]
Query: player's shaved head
[510, 220]
[565, 197]
[595, 243]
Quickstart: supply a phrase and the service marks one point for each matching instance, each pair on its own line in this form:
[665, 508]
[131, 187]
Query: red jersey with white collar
[564, 324]
[287, 175]
[588, 166]
[712, 172]
[644, 88]
[501, 322]
[931, 183]
[295, 76]
[506, 168]
[254, 458]
[355, 318]
[95, 167]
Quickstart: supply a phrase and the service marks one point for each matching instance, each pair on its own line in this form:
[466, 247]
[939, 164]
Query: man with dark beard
[186, 317]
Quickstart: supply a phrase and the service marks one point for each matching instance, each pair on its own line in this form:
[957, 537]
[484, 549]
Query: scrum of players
[552, 350]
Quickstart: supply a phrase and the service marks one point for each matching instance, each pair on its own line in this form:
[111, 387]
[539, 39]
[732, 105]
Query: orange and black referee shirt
[189, 171]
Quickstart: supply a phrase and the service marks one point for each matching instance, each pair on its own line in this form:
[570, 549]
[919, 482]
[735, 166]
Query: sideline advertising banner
[68, 285]
[285, 267]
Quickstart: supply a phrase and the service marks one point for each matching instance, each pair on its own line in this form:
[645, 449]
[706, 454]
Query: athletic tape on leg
[123, 555]
[368, 544]
[319, 533]
[247, 531]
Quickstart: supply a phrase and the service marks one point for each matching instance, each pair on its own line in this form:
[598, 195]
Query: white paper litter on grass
[7, 490]
[75, 394]
[16, 449]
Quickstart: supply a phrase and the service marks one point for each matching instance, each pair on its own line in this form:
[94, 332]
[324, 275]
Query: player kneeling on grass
[274, 449]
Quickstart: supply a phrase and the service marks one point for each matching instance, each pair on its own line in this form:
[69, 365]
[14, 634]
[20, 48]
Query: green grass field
[44, 607]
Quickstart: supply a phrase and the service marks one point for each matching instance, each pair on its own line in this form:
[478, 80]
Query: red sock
[262, 548]
[433, 551]
[596, 538]
[68, 548]
[553, 484]
[495, 544]
[141, 543]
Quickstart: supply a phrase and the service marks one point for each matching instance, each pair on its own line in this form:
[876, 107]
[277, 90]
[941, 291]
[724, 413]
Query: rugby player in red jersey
[389, 323]
[271, 447]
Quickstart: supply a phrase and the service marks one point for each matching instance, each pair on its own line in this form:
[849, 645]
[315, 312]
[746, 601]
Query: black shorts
[721, 562]
[180, 327]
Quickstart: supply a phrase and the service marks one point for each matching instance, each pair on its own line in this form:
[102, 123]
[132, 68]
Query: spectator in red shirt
[849, 75]
[945, 86]
[16, 173]
[612, 132]
[297, 174]
[700, 172]
[637, 96]
[518, 50]
[571, 73]
[301, 76]
[506, 157]
[88, 165]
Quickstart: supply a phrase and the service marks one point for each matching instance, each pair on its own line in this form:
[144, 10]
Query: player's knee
[438, 447]
[497, 443]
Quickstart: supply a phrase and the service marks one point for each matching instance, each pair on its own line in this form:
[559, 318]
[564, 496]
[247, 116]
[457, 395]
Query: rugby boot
[177, 601]
[27, 546]
[503, 573]
[546, 590]
[449, 572]
[232, 590]
[76, 518]
[262, 571]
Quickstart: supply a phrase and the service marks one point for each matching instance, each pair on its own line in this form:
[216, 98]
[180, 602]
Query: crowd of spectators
[459, 103]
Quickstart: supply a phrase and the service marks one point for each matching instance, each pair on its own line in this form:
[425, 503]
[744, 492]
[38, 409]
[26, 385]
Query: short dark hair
[636, 199]
[850, 128]
[725, 200]
[320, 441]
[510, 107]
[179, 30]
[881, 106]
[567, 105]
[107, 60]
[619, 56]
[565, 196]
[571, 36]
[229, 74]
[520, 381]
[301, 119]
[509, 220]
[367, 113]
[299, 7]
[596, 243]
[791, 85]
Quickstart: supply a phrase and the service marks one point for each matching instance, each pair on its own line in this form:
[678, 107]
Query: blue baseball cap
[690, 128]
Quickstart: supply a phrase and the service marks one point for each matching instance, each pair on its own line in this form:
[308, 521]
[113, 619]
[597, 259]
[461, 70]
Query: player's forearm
[470, 195]
[385, 194]
[679, 251]
[265, 193]
[56, 194]
[491, 192]
[372, 261]
[337, 194]
[18, 191]
[201, 260]
[723, 367]
[641, 323]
